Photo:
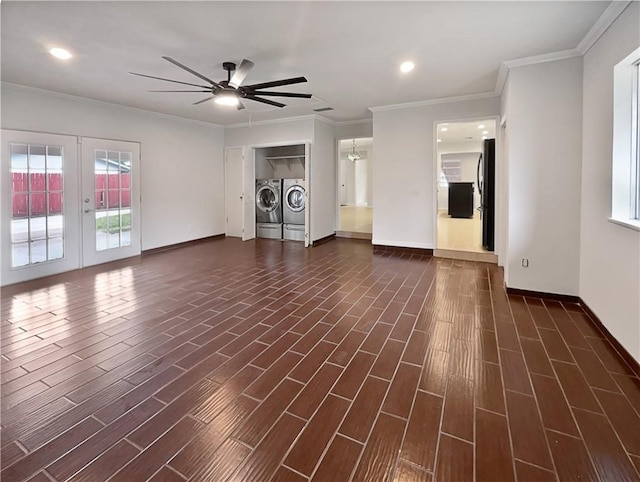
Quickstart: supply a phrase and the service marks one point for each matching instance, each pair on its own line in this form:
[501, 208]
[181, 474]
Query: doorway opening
[355, 188]
[465, 180]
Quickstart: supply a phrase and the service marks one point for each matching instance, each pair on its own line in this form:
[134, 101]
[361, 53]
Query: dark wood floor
[266, 361]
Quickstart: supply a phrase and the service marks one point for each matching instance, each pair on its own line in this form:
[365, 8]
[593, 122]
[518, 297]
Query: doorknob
[87, 211]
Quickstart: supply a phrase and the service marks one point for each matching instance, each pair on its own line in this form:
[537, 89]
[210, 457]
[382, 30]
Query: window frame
[635, 140]
[625, 168]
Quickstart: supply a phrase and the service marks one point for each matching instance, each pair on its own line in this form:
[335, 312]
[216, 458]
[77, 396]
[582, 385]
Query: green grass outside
[112, 223]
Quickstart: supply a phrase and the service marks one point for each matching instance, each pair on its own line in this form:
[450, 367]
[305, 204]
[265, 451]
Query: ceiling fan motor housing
[229, 66]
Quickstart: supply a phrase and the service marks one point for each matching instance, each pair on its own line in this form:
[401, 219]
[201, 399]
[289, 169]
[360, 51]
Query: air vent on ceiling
[323, 109]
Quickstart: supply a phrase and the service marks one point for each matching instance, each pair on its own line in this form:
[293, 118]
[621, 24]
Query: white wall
[354, 130]
[182, 161]
[610, 254]
[404, 171]
[270, 133]
[323, 181]
[545, 119]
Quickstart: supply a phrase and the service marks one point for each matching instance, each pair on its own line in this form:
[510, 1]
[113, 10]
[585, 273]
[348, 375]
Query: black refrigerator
[487, 189]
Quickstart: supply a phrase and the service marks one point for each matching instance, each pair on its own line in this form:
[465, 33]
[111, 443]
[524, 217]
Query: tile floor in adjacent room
[356, 219]
[462, 234]
[264, 360]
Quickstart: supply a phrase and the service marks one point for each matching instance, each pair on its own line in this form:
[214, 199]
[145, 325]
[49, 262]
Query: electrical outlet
[525, 262]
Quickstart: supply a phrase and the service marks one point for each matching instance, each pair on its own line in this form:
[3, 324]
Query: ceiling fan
[230, 91]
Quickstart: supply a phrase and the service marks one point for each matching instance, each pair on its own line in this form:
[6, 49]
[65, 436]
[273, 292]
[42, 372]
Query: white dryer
[268, 208]
[294, 201]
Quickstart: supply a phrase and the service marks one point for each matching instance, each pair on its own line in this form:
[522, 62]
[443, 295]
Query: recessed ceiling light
[444, 129]
[60, 53]
[485, 132]
[481, 126]
[439, 140]
[407, 66]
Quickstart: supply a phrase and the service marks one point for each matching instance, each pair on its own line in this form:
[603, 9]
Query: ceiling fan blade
[240, 73]
[281, 94]
[191, 71]
[276, 83]
[265, 101]
[197, 91]
[240, 106]
[169, 80]
[203, 100]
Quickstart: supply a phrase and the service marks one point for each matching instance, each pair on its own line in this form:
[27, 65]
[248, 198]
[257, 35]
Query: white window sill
[627, 223]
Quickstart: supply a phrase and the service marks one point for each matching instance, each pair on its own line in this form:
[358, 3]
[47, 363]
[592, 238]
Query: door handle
[87, 211]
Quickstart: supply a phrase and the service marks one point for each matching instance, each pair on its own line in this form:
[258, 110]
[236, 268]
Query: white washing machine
[294, 201]
[269, 208]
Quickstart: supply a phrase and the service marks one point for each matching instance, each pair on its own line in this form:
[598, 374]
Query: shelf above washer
[288, 160]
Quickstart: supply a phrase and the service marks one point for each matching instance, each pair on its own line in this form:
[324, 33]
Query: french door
[40, 210]
[61, 210]
[110, 200]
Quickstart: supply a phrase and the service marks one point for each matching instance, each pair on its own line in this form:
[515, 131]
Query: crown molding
[507, 65]
[442, 100]
[354, 122]
[272, 121]
[77, 98]
[324, 119]
[611, 13]
[317, 117]
[541, 59]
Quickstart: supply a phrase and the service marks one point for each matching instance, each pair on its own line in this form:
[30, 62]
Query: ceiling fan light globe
[227, 99]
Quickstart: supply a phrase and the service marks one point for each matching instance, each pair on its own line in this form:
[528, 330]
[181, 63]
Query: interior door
[110, 200]
[233, 169]
[40, 211]
[249, 195]
[307, 179]
[343, 181]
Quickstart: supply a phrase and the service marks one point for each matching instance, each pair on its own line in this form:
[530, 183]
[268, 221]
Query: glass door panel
[39, 199]
[111, 179]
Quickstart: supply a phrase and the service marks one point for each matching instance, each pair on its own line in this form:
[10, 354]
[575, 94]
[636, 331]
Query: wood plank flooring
[264, 360]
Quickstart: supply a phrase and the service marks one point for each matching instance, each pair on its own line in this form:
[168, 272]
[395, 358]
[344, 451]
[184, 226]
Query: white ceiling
[349, 51]
[466, 131]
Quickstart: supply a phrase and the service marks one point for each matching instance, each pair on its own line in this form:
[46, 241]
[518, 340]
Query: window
[112, 199]
[625, 189]
[37, 228]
